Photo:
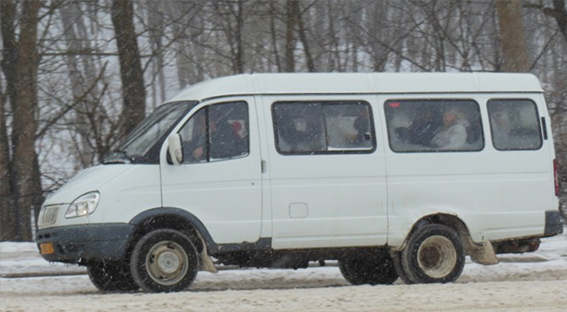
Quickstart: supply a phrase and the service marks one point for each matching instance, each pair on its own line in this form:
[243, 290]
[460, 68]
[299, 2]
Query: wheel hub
[430, 257]
[167, 263]
[437, 256]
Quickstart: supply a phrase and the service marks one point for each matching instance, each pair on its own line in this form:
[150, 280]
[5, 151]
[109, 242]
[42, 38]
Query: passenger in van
[453, 135]
[423, 129]
[500, 128]
[292, 139]
[225, 141]
[362, 126]
[194, 147]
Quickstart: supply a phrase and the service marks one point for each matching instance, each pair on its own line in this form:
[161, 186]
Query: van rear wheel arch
[449, 220]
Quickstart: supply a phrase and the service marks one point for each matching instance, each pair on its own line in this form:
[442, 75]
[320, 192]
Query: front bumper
[84, 243]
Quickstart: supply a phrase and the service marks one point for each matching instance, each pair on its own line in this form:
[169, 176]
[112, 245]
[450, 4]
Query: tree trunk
[156, 29]
[133, 92]
[239, 57]
[70, 16]
[8, 208]
[558, 12]
[512, 38]
[561, 16]
[7, 213]
[303, 37]
[291, 19]
[274, 36]
[24, 124]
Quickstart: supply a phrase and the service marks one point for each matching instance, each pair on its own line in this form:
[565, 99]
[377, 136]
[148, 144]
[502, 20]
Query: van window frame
[538, 120]
[208, 158]
[327, 152]
[152, 156]
[481, 125]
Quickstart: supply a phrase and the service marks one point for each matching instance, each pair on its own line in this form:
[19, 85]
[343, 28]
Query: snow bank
[528, 282]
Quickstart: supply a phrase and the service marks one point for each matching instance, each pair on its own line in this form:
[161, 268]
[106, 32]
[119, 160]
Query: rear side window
[323, 127]
[434, 125]
[514, 124]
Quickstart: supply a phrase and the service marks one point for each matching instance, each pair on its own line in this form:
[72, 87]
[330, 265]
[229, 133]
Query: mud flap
[483, 253]
[206, 262]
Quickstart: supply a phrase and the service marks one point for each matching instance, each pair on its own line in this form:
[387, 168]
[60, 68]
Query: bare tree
[558, 11]
[8, 209]
[6, 204]
[132, 76]
[511, 36]
[21, 75]
[290, 40]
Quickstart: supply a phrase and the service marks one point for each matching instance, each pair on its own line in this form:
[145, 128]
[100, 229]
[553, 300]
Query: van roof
[360, 83]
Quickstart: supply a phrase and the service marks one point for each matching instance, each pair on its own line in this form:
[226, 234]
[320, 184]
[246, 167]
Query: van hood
[88, 180]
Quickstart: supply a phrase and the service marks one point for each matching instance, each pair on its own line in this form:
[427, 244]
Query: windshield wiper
[116, 157]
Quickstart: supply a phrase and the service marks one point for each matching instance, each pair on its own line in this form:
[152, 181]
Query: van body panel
[88, 180]
[265, 130]
[134, 191]
[226, 195]
[359, 83]
[126, 189]
[497, 194]
[342, 196]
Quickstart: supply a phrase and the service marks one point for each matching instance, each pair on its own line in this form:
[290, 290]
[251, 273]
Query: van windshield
[151, 131]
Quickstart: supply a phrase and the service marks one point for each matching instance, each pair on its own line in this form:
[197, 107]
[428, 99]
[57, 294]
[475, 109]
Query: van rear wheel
[164, 261]
[399, 268]
[434, 254]
[373, 271]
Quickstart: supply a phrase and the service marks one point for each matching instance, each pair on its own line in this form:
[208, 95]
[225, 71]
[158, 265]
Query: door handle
[263, 166]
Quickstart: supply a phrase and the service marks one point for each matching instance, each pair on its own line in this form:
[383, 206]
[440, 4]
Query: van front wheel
[111, 276]
[164, 261]
[434, 254]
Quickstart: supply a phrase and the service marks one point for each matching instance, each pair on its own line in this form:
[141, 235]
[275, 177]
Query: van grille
[50, 215]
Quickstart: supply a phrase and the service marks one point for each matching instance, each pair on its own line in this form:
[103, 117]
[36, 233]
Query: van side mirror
[174, 147]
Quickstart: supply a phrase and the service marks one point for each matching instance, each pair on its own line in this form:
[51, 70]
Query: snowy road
[531, 282]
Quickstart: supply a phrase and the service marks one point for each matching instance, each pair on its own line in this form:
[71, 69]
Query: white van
[393, 175]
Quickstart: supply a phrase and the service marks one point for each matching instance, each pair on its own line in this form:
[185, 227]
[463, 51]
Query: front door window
[217, 132]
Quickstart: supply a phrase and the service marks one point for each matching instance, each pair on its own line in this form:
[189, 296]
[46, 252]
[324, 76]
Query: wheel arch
[482, 253]
[449, 220]
[175, 219]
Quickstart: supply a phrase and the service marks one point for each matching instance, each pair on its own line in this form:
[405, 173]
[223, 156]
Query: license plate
[46, 248]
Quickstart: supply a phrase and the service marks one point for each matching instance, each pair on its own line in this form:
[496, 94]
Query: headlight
[84, 205]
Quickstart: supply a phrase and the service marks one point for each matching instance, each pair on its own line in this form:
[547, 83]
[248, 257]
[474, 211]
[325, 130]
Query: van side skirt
[191, 219]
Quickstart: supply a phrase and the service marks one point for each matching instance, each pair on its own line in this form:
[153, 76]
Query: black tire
[373, 270]
[112, 276]
[433, 254]
[164, 261]
[400, 270]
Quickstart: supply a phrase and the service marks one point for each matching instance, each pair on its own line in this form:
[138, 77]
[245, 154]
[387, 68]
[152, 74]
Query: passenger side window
[434, 125]
[323, 127]
[514, 125]
[216, 132]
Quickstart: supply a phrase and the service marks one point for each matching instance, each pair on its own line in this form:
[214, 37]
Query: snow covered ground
[529, 282]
